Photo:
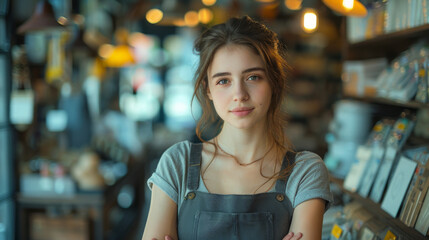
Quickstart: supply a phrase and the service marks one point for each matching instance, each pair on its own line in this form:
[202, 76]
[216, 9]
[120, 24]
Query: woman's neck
[246, 145]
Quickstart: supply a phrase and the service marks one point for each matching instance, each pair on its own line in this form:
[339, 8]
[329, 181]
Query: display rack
[7, 165]
[375, 208]
[390, 46]
[100, 203]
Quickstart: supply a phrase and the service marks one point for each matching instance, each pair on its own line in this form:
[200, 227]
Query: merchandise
[371, 229]
[398, 186]
[371, 170]
[397, 138]
[418, 189]
[422, 89]
[377, 139]
[422, 224]
[354, 176]
[383, 174]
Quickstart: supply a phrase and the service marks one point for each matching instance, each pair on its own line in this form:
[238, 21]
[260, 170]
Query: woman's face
[238, 86]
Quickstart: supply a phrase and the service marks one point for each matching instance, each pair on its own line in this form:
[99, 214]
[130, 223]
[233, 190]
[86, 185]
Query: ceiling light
[309, 20]
[293, 4]
[43, 18]
[347, 7]
[154, 15]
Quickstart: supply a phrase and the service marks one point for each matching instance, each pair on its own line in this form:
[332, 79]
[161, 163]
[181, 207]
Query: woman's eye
[253, 78]
[222, 82]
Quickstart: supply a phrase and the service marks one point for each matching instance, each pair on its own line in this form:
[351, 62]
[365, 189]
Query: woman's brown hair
[265, 43]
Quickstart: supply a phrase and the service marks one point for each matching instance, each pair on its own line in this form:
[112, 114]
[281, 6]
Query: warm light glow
[136, 38]
[208, 2]
[310, 21]
[154, 15]
[62, 20]
[79, 19]
[191, 18]
[352, 8]
[293, 4]
[105, 50]
[179, 23]
[348, 4]
[120, 56]
[205, 15]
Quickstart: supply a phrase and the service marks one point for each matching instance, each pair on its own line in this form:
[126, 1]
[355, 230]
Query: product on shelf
[398, 186]
[377, 140]
[360, 77]
[397, 138]
[417, 192]
[347, 131]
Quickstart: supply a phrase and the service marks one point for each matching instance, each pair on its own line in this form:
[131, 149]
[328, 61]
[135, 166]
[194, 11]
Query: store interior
[92, 92]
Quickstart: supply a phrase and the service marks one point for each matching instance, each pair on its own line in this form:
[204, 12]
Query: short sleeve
[170, 171]
[310, 179]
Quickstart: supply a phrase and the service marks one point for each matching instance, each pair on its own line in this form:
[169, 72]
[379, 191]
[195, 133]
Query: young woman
[246, 182]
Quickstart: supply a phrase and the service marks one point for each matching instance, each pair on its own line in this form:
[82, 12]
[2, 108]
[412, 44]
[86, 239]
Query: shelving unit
[385, 101]
[7, 172]
[390, 46]
[375, 208]
[100, 203]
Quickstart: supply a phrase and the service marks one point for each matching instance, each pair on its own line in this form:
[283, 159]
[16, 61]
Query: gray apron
[209, 216]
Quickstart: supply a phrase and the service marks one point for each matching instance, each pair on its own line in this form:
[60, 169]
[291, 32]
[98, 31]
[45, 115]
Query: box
[360, 77]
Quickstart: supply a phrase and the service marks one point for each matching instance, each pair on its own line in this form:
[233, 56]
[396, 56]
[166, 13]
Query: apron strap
[288, 160]
[194, 166]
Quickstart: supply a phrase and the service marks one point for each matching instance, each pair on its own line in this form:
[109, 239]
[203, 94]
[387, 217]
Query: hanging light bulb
[154, 15]
[191, 18]
[208, 2]
[352, 8]
[120, 55]
[43, 18]
[348, 4]
[309, 20]
[293, 4]
[205, 15]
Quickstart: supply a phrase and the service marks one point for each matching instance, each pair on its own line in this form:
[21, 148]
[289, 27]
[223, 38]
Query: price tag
[336, 231]
[389, 236]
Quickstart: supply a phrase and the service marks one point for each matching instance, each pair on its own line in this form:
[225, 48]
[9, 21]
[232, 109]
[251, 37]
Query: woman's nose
[240, 92]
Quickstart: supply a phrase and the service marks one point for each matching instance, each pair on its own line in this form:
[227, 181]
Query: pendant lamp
[358, 9]
[43, 18]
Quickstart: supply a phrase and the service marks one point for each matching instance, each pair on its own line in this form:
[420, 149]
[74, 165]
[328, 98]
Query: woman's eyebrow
[221, 74]
[253, 69]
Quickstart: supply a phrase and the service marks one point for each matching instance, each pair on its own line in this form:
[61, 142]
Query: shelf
[377, 211]
[386, 101]
[406, 34]
[389, 45]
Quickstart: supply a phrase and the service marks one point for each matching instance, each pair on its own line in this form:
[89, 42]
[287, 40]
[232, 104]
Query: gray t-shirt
[308, 180]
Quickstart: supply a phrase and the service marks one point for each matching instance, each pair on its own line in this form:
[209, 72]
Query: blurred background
[93, 91]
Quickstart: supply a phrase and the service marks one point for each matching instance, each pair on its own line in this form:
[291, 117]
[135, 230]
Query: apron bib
[210, 216]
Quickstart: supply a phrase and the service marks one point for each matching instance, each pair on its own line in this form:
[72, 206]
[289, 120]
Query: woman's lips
[241, 111]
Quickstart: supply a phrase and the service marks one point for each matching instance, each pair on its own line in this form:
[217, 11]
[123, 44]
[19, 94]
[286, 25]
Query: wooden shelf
[389, 45]
[406, 34]
[390, 102]
[375, 208]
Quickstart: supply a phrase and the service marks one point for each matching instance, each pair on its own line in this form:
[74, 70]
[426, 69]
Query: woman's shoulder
[307, 157]
[179, 147]
[307, 160]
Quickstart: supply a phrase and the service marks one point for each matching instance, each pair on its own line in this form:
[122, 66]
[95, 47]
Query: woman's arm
[162, 217]
[308, 219]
